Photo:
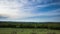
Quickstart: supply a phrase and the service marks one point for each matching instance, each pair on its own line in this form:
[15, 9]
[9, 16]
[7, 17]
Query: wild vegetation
[29, 28]
[50, 25]
[28, 31]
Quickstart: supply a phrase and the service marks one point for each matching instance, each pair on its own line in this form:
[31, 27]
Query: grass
[27, 31]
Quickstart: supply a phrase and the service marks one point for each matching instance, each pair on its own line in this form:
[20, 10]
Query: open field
[28, 31]
[29, 28]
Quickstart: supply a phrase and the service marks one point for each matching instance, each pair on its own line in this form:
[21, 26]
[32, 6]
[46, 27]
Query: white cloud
[23, 9]
[9, 8]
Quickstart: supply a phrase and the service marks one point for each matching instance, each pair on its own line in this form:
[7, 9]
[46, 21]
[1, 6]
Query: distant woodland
[48, 25]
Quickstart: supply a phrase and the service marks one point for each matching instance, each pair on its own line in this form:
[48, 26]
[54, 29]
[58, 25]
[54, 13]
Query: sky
[30, 10]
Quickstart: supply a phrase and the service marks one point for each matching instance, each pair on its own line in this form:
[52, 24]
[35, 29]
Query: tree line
[30, 25]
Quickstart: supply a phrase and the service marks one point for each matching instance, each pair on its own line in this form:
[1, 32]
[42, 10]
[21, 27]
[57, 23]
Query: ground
[28, 31]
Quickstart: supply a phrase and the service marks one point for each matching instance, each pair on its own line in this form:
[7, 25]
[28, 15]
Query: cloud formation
[23, 9]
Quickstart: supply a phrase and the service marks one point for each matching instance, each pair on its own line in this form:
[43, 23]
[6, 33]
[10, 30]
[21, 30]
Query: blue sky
[30, 10]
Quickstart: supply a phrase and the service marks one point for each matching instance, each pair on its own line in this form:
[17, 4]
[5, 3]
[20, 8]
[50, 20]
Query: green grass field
[27, 31]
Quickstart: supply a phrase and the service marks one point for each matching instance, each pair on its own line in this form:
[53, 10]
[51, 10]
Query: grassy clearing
[27, 31]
